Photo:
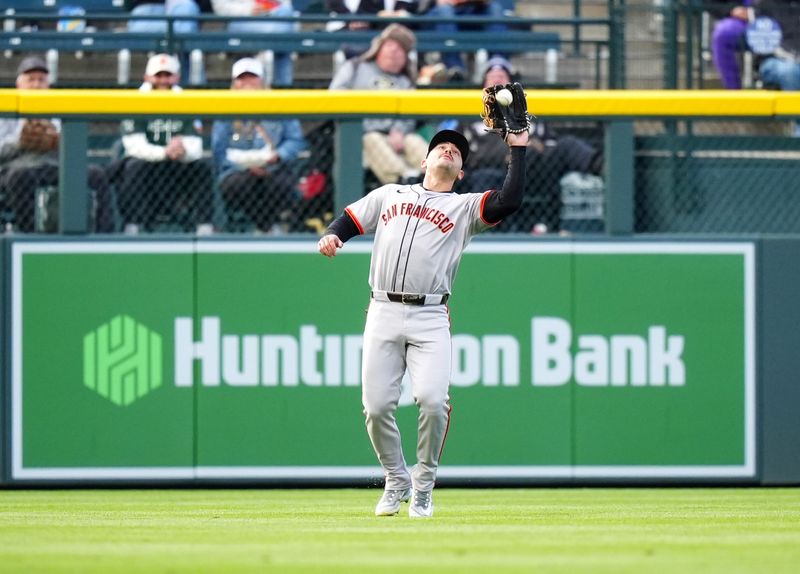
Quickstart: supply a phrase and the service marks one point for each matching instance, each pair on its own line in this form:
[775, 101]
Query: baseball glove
[504, 119]
[38, 136]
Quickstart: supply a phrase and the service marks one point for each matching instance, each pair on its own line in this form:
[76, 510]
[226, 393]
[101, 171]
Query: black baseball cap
[30, 64]
[453, 137]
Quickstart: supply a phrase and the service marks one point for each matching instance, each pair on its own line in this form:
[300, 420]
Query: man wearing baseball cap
[255, 160]
[163, 8]
[453, 137]
[393, 149]
[268, 21]
[421, 231]
[163, 72]
[29, 164]
[247, 70]
[28, 66]
[163, 183]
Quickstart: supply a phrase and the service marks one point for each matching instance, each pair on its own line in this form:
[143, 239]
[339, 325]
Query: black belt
[411, 298]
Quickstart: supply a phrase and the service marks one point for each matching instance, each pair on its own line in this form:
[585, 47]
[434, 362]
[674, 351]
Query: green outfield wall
[215, 360]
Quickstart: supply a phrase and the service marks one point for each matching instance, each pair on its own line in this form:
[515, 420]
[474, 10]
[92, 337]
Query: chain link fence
[689, 176]
[717, 177]
[134, 188]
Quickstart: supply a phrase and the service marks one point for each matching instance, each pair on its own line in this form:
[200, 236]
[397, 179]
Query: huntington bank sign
[240, 359]
[123, 358]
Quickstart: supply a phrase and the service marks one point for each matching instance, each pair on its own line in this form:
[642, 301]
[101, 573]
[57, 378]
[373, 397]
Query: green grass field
[493, 530]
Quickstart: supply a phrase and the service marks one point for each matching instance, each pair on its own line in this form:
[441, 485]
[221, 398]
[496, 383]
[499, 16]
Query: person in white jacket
[164, 181]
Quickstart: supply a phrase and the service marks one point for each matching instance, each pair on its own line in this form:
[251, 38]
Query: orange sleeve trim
[480, 213]
[355, 220]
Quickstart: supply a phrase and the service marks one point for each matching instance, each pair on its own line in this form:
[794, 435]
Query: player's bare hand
[396, 139]
[175, 149]
[329, 244]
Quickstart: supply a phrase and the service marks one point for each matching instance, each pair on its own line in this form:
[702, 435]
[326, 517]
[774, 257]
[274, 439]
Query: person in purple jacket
[727, 40]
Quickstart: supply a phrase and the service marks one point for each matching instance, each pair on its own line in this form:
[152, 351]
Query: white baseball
[504, 97]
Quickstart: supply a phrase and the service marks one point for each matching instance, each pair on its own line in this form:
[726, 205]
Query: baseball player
[421, 231]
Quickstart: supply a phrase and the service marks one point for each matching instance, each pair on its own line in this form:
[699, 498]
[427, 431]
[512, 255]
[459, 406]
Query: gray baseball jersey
[420, 235]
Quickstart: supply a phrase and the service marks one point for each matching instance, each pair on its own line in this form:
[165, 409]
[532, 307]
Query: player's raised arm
[506, 114]
[503, 202]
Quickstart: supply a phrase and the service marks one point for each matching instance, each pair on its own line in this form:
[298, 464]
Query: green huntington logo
[122, 360]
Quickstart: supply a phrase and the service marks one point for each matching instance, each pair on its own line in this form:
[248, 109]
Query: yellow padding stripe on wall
[788, 104]
[9, 101]
[438, 103]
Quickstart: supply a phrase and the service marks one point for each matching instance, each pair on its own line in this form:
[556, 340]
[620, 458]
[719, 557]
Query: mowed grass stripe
[475, 530]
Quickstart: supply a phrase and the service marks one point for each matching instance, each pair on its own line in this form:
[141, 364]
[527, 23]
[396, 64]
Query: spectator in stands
[452, 10]
[548, 159]
[727, 41]
[29, 162]
[780, 69]
[255, 159]
[392, 148]
[381, 8]
[162, 8]
[776, 54]
[164, 181]
[166, 8]
[283, 70]
[783, 73]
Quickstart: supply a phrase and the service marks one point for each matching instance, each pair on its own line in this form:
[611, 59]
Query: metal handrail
[314, 18]
[172, 41]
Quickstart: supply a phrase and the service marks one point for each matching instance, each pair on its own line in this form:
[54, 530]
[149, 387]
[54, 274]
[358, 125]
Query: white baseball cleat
[421, 504]
[389, 504]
